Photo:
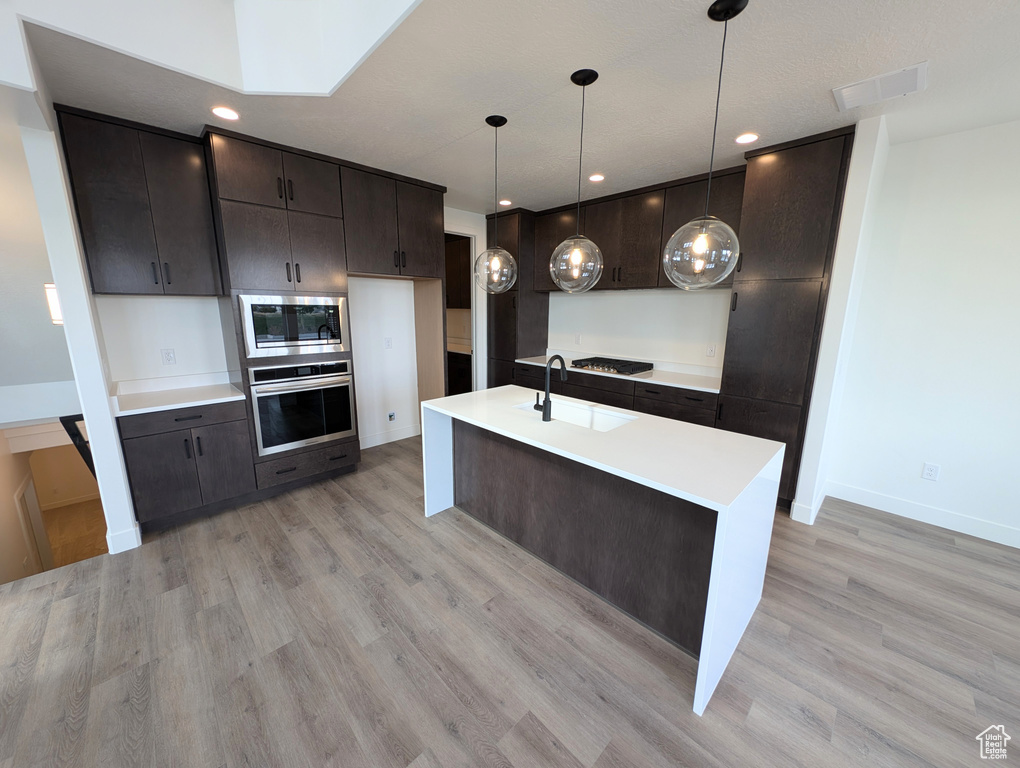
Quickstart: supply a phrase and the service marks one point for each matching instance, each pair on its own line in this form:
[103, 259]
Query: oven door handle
[293, 386]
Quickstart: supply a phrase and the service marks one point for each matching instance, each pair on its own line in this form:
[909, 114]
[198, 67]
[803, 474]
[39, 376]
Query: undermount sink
[587, 416]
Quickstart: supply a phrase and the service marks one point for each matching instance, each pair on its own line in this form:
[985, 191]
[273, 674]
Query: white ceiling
[416, 105]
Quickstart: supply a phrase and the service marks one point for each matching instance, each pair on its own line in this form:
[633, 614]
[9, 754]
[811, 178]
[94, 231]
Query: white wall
[13, 549]
[472, 225]
[385, 368]
[61, 477]
[934, 362]
[136, 328]
[667, 326]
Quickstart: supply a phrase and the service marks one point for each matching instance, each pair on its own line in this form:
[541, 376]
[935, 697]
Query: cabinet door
[226, 468]
[787, 217]
[317, 252]
[627, 231]
[551, 230]
[459, 273]
[501, 373]
[770, 338]
[687, 202]
[676, 411]
[370, 216]
[178, 187]
[459, 368]
[108, 178]
[257, 243]
[509, 234]
[248, 172]
[591, 395]
[502, 326]
[313, 186]
[772, 421]
[420, 223]
[164, 479]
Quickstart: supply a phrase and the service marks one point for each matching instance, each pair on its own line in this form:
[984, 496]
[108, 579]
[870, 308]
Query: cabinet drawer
[605, 383]
[617, 399]
[158, 422]
[675, 411]
[692, 398]
[270, 473]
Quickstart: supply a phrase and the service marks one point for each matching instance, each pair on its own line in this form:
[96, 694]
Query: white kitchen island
[668, 520]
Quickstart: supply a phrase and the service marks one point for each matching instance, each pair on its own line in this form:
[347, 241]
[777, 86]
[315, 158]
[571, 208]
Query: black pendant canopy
[724, 10]
[585, 77]
[496, 121]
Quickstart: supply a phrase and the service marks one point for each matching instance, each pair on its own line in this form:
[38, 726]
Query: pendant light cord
[580, 155]
[495, 188]
[715, 125]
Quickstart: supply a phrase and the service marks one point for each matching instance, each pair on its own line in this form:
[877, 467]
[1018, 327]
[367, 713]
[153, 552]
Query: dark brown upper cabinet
[459, 277]
[627, 231]
[393, 227]
[143, 209]
[254, 173]
[274, 249]
[770, 339]
[686, 202]
[518, 319]
[551, 229]
[789, 211]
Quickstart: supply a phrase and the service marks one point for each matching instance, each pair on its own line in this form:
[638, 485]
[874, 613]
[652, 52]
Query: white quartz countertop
[709, 467]
[654, 376]
[168, 399]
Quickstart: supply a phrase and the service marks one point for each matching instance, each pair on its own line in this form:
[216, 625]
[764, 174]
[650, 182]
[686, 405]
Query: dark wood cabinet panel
[290, 468]
[163, 475]
[181, 207]
[501, 373]
[627, 231]
[370, 217]
[257, 245]
[420, 230]
[770, 339]
[501, 328]
[551, 229]
[108, 178]
[509, 238]
[687, 202]
[312, 186]
[318, 258]
[249, 172]
[692, 398]
[772, 421]
[607, 383]
[458, 367]
[788, 211]
[617, 399]
[142, 424]
[224, 460]
[459, 272]
[677, 411]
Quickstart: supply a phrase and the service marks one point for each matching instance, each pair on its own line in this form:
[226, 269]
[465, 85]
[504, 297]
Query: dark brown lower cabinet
[458, 367]
[501, 373]
[667, 410]
[592, 395]
[772, 421]
[185, 469]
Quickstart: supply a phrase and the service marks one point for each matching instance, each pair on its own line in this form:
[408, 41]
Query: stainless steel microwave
[294, 325]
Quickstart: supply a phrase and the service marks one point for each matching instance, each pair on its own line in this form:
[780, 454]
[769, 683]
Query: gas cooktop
[611, 365]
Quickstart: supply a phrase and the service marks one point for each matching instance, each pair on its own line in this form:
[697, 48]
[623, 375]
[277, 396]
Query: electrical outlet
[388, 344]
[931, 472]
[577, 339]
[169, 358]
[392, 416]
[710, 350]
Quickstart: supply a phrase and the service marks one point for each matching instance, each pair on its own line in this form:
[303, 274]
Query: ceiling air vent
[888, 86]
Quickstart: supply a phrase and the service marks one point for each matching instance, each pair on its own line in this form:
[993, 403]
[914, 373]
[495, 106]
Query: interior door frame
[479, 315]
[32, 528]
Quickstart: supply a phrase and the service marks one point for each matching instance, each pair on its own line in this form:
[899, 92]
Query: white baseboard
[122, 541]
[381, 438]
[943, 518]
[806, 513]
[68, 502]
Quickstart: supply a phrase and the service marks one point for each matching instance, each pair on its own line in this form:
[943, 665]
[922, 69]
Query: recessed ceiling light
[225, 112]
[747, 138]
[505, 202]
[596, 177]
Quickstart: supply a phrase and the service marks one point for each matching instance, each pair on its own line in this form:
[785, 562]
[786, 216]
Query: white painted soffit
[284, 47]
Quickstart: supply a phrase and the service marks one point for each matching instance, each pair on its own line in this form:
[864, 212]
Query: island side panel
[742, 542]
[437, 460]
[644, 551]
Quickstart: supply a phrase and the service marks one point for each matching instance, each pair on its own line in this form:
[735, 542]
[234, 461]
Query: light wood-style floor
[76, 532]
[337, 626]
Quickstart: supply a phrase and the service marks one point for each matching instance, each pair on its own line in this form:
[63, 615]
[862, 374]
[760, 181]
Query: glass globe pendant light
[495, 267]
[576, 264]
[703, 252]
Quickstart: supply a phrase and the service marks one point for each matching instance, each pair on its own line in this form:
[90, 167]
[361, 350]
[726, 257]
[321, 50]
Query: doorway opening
[459, 282]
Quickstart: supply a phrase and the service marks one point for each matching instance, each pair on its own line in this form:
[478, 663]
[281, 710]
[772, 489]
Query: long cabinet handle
[718, 413]
[337, 458]
[288, 272]
[155, 274]
[733, 302]
[290, 189]
[403, 259]
[694, 399]
[286, 471]
[198, 445]
[396, 259]
[652, 391]
[187, 448]
[279, 187]
[740, 260]
[297, 272]
[166, 272]
[188, 418]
